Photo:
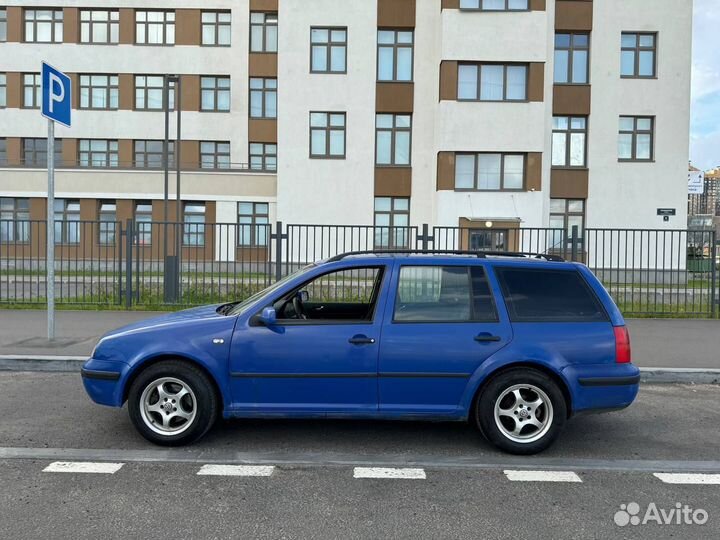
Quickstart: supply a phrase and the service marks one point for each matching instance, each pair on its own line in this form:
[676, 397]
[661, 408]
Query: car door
[325, 363]
[441, 323]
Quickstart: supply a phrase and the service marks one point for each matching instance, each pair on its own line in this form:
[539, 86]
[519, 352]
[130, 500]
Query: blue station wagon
[514, 343]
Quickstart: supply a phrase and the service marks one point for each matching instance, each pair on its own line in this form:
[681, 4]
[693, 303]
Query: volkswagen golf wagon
[514, 344]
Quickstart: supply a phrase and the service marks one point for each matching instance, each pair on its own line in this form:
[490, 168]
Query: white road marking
[236, 470]
[83, 467]
[389, 472]
[685, 478]
[542, 476]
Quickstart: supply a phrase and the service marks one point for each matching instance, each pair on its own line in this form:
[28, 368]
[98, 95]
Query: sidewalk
[661, 343]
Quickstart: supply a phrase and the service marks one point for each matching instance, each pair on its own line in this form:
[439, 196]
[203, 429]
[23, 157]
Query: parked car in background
[515, 344]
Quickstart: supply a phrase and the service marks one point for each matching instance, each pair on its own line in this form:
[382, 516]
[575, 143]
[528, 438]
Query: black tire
[552, 418]
[205, 403]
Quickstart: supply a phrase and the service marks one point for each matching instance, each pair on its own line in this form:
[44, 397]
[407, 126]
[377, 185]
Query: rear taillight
[622, 345]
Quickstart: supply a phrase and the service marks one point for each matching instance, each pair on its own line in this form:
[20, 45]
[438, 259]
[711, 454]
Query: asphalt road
[459, 489]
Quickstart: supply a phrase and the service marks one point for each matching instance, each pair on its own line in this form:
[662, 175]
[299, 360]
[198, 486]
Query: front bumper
[103, 379]
[602, 387]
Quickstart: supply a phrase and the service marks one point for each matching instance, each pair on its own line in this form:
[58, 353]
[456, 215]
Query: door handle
[361, 340]
[485, 338]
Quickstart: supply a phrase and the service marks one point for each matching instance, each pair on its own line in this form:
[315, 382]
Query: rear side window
[533, 295]
[443, 294]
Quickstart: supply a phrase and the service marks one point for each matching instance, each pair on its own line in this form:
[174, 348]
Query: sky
[705, 112]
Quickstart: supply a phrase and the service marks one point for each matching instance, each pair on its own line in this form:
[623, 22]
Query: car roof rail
[478, 254]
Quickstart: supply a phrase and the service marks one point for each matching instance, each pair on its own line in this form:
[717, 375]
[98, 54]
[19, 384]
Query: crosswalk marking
[83, 467]
[236, 470]
[686, 478]
[389, 472]
[542, 476]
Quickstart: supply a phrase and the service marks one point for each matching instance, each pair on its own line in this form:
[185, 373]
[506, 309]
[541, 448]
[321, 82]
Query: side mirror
[304, 296]
[268, 316]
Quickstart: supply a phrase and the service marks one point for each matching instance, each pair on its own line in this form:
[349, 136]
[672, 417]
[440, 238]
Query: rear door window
[540, 295]
[443, 294]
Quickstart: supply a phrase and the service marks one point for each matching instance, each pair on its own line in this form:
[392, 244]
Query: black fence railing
[158, 265]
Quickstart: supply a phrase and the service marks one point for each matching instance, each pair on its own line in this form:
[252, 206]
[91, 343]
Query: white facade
[343, 191]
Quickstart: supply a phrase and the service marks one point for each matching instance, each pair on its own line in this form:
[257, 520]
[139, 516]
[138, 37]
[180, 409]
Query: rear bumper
[602, 387]
[102, 381]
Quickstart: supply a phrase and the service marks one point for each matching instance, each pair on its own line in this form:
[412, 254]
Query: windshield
[243, 306]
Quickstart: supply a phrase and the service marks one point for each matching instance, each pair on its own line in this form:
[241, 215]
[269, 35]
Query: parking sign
[56, 95]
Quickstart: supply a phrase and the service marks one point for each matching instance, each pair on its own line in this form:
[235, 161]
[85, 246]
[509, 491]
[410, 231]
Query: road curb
[679, 375]
[41, 363]
[69, 364]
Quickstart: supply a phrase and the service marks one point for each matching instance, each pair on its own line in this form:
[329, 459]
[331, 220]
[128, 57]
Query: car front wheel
[521, 411]
[172, 403]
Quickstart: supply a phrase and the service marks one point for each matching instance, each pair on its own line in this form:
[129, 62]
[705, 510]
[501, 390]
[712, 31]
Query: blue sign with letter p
[56, 95]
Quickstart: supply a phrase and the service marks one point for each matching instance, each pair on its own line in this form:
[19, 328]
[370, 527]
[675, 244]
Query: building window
[194, 224]
[214, 155]
[495, 5]
[572, 54]
[327, 135]
[569, 141]
[101, 26]
[215, 94]
[149, 93]
[392, 139]
[154, 27]
[638, 55]
[328, 50]
[490, 172]
[263, 32]
[35, 152]
[263, 98]
[98, 153]
[3, 152]
[67, 221]
[395, 55]
[492, 82]
[14, 220]
[143, 223]
[3, 25]
[44, 25]
[635, 140]
[216, 28]
[392, 219]
[107, 217]
[564, 215]
[149, 154]
[263, 157]
[99, 92]
[32, 90]
[253, 221]
[3, 90]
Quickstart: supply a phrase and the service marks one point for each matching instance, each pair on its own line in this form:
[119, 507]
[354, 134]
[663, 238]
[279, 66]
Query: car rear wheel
[521, 411]
[172, 403]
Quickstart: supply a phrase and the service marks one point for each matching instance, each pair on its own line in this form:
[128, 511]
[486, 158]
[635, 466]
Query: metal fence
[157, 265]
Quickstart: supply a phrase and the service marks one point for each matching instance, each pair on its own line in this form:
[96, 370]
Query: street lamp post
[171, 279]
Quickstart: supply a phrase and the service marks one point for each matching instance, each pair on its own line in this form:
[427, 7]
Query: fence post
[278, 236]
[425, 237]
[713, 274]
[129, 235]
[574, 243]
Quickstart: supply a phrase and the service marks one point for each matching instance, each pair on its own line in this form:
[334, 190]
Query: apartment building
[487, 114]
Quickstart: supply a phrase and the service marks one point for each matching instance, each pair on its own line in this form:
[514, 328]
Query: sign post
[56, 107]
